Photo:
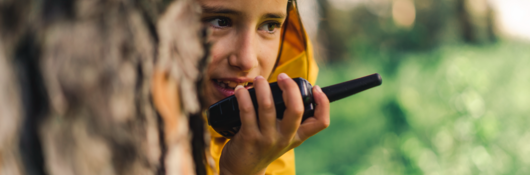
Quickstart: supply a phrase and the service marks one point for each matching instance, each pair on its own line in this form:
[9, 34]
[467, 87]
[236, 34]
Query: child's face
[246, 40]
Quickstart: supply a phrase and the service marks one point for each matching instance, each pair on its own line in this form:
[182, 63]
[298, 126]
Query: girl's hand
[258, 143]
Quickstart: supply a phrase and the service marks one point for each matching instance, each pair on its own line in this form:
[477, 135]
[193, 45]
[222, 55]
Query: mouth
[227, 87]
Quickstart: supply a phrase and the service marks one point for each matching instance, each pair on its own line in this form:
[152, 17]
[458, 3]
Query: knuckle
[268, 142]
[251, 137]
[325, 124]
[283, 143]
[266, 104]
[246, 108]
[298, 109]
[325, 121]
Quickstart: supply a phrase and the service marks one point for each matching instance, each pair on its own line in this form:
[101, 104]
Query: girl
[256, 42]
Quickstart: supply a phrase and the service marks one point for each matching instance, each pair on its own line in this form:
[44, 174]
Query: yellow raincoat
[296, 60]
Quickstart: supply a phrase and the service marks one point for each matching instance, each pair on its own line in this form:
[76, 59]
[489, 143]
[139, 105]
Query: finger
[247, 114]
[320, 120]
[293, 103]
[266, 109]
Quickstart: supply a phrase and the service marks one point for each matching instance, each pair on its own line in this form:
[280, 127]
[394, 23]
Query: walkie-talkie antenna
[345, 89]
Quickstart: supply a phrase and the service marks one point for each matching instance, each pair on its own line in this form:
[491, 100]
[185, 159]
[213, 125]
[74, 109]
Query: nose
[245, 56]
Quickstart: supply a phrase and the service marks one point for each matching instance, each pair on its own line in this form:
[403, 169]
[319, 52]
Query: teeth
[231, 84]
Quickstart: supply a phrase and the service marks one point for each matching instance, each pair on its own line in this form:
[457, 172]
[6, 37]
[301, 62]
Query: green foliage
[457, 109]
[370, 27]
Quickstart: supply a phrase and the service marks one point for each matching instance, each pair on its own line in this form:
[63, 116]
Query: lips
[227, 87]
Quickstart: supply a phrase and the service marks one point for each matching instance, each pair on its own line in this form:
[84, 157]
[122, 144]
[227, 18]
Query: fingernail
[317, 87]
[259, 77]
[238, 87]
[283, 76]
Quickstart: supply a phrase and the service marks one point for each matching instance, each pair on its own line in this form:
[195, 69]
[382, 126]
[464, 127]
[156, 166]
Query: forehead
[245, 7]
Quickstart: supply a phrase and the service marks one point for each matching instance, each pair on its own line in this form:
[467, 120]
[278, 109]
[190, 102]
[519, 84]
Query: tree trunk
[75, 87]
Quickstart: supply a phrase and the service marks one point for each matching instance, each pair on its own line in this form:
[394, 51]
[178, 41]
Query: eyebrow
[275, 15]
[222, 10]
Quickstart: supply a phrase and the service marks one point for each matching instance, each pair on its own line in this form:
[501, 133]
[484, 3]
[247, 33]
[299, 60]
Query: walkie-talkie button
[234, 105]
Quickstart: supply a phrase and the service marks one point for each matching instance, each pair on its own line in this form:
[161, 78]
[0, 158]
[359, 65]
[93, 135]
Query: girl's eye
[270, 27]
[220, 22]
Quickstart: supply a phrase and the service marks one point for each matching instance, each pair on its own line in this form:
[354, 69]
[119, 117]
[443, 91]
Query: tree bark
[76, 92]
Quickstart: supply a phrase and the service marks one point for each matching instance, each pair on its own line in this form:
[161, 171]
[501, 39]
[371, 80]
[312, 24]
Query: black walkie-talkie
[223, 116]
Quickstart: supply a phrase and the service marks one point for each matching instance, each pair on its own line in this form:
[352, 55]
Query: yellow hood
[296, 52]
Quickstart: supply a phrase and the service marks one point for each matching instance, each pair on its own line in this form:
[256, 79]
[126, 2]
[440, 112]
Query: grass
[458, 109]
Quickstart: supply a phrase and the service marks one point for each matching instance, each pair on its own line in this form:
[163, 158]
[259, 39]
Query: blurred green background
[455, 97]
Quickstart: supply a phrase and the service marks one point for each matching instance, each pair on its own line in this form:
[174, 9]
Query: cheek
[268, 55]
[218, 51]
